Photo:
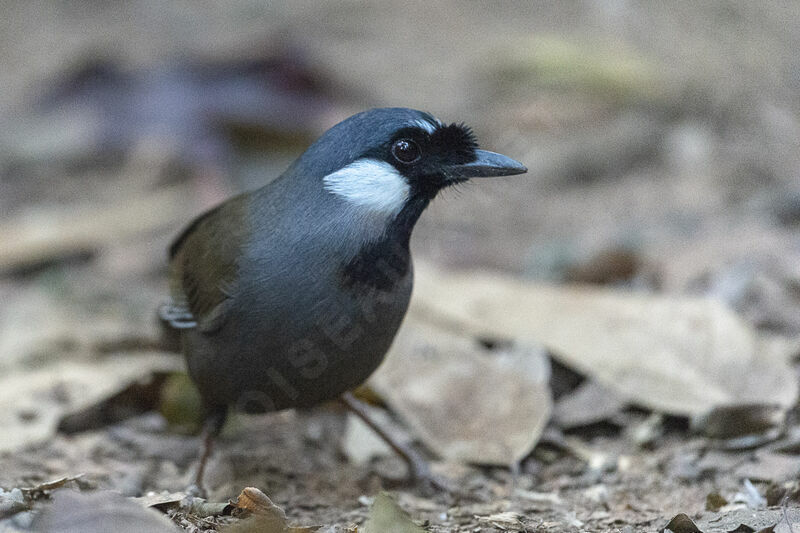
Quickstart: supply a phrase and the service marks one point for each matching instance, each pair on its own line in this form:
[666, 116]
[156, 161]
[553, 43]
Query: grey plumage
[291, 294]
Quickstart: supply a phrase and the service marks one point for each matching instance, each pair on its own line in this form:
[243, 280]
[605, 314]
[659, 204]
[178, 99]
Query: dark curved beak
[486, 165]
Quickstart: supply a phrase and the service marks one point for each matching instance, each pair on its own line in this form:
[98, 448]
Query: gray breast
[303, 329]
[315, 309]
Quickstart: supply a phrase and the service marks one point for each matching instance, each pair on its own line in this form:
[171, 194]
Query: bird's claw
[420, 473]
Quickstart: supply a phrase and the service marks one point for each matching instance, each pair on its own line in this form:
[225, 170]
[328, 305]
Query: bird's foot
[420, 473]
[212, 426]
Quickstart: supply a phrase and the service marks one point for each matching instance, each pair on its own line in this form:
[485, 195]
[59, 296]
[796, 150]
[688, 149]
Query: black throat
[381, 264]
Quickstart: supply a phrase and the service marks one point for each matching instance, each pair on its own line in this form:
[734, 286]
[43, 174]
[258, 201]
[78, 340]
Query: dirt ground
[662, 143]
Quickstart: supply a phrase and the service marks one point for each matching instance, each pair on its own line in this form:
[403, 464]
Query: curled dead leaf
[255, 501]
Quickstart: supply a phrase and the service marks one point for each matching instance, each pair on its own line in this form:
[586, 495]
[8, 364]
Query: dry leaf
[679, 355]
[747, 529]
[39, 325]
[259, 523]
[727, 422]
[35, 238]
[99, 512]
[768, 466]
[190, 505]
[34, 401]
[744, 520]
[386, 516]
[508, 521]
[715, 501]
[49, 485]
[360, 443]
[468, 403]
[589, 403]
[161, 501]
[253, 500]
[681, 523]
[265, 516]
[48, 365]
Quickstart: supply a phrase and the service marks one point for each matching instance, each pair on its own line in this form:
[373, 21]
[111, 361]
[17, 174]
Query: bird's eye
[406, 151]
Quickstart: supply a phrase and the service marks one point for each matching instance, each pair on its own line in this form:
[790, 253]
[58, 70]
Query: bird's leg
[211, 429]
[418, 467]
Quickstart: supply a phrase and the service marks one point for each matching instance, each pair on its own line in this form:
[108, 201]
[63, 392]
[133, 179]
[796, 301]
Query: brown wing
[203, 266]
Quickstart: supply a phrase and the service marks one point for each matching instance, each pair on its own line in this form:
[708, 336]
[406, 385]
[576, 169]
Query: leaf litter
[674, 354]
[450, 389]
[445, 409]
[604, 476]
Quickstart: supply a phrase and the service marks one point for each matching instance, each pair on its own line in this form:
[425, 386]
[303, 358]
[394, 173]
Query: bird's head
[392, 162]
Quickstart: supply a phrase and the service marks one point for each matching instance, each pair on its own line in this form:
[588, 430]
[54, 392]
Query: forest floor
[663, 161]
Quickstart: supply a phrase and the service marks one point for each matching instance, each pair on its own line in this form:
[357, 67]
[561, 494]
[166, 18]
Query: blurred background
[662, 141]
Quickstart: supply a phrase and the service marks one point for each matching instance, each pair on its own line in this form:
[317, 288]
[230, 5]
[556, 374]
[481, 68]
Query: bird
[290, 295]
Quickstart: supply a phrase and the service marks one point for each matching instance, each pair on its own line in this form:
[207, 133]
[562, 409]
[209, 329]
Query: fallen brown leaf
[679, 355]
[35, 400]
[254, 501]
[588, 404]
[32, 239]
[468, 403]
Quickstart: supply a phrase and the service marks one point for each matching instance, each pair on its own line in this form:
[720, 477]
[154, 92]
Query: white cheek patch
[370, 184]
